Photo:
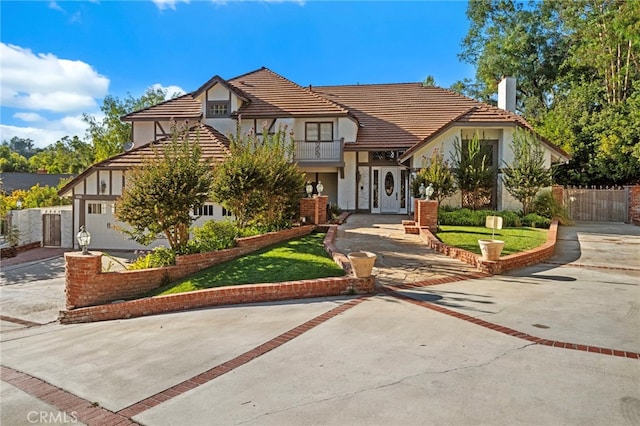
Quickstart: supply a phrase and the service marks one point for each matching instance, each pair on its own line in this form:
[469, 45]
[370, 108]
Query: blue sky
[60, 58]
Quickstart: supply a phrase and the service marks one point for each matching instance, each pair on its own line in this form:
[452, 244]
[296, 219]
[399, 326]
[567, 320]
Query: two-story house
[361, 141]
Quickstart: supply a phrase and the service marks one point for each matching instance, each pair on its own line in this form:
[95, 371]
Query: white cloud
[46, 132]
[170, 90]
[168, 4]
[46, 82]
[55, 6]
[28, 116]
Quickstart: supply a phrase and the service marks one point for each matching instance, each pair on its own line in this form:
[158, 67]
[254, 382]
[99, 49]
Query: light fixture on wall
[84, 238]
[319, 188]
[103, 187]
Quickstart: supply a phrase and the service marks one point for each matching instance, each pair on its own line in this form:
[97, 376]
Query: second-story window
[315, 132]
[218, 109]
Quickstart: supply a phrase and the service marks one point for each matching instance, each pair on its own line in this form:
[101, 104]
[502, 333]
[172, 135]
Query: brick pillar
[557, 191]
[415, 209]
[314, 209]
[428, 214]
[80, 272]
[634, 204]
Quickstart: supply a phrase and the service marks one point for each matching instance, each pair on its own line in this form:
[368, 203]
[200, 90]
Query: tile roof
[398, 116]
[214, 146]
[10, 181]
[180, 108]
[272, 95]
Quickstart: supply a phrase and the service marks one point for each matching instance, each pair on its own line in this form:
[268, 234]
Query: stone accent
[557, 192]
[314, 209]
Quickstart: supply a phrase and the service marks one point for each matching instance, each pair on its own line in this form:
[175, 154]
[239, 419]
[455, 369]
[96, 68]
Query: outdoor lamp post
[320, 188]
[309, 189]
[19, 204]
[429, 191]
[421, 190]
[84, 238]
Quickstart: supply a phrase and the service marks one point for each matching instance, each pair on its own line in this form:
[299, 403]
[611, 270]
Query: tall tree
[258, 182]
[11, 161]
[474, 175]
[508, 38]
[437, 172]
[22, 146]
[527, 174]
[161, 195]
[109, 135]
[68, 155]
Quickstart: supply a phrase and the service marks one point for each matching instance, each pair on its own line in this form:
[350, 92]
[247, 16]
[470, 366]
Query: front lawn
[515, 239]
[300, 259]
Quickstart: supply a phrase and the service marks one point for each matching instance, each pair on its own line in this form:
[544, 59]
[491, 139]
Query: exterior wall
[143, 132]
[29, 224]
[347, 129]
[347, 185]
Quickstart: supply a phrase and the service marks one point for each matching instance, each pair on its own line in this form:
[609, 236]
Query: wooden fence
[597, 204]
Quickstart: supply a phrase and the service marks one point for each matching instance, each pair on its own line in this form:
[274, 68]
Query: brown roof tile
[180, 108]
[214, 146]
[397, 116]
[272, 95]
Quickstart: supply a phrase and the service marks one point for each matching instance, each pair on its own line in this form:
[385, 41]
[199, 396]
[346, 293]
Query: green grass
[300, 259]
[515, 239]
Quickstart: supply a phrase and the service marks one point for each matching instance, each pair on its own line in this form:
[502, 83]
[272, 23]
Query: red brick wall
[314, 209]
[557, 192]
[427, 214]
[87, 268]
[506, 263]
[86, 285]
[634, 204]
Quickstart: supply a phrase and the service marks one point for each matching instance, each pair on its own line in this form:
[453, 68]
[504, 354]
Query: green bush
[158, 258]
[213, 235]
[547, 206]
[467, 217]
[536, 221]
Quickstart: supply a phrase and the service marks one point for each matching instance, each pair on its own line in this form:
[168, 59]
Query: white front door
[389, 189]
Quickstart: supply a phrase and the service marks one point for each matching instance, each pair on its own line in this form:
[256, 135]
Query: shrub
[214, 235]
[547, 206]
[536, 221]
[158, 258]
[467, 217]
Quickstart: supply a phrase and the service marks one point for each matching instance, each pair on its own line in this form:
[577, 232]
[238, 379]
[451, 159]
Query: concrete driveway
[557, 343]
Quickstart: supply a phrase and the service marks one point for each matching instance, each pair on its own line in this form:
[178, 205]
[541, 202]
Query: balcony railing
[319, 151]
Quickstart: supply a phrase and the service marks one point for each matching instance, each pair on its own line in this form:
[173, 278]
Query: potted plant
[362, 263]
[492, 248]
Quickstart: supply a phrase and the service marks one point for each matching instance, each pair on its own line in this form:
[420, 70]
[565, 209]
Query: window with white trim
[96, 208]
[205, 210]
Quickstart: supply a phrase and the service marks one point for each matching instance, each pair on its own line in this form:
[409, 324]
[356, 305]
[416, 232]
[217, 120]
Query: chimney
[507, 94]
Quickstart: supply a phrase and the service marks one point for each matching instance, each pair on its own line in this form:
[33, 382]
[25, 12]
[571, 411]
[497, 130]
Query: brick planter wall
[634, 204]
[87, 286]
[314, 209]
[427, 214]
[505, 263]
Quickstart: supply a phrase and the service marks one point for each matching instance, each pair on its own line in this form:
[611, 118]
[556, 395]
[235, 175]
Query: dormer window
[218, 109]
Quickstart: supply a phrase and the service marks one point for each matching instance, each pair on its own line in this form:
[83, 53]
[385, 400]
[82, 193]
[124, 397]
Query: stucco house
[362, 141]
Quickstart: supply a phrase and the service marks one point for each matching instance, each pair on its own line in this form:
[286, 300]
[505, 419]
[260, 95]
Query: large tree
[110, 134]
[437, 172]
[161, 195]
[68, 155]
[258, 182]
[22, 146]
[526, 174]
[473, 172]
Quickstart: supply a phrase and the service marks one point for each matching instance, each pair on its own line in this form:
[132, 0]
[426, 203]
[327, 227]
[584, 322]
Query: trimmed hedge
[467, 217]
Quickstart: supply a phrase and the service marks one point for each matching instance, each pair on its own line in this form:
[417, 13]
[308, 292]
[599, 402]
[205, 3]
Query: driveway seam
[393, 291]
[20, 321]
[585, 266]
[77, 407]
[90, 414]
[237, 361]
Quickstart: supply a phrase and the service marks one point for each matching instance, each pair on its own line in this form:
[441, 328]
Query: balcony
[319, 153]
